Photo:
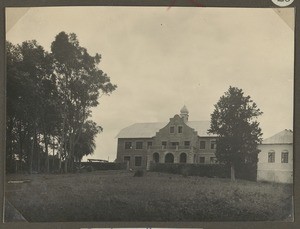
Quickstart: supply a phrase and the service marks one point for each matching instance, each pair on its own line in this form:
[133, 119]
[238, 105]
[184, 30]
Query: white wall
[277, 171]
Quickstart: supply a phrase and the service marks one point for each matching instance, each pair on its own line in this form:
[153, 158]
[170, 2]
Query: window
[187, 144]
[138, 161]
[202, 144]
[172, 129]
[213, 160]
[213, 144]
[182, 158]
[285, 157]
[139, 145]
[149, 144]
[128, 145]
[179, 129]
[156, 157]
[164, 144]
[169, 158]
[174, 143]
[126, 158]
[271, 157]
[201, 160]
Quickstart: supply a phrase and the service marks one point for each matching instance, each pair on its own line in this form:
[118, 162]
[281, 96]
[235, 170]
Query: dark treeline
[49, 101]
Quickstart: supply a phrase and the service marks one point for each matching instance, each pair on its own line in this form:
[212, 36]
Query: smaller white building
[275, 161]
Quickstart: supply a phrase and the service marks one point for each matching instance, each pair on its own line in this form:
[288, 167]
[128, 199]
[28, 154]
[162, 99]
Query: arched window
[156, 157]
[182, 158]
[169, 158]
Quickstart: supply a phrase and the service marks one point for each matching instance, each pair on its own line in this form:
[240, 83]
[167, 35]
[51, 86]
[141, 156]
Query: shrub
[185, 171]
[90, 169]
[138, 173]
[203, 170]
[104, 166]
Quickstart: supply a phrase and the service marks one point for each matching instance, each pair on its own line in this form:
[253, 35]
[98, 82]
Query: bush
[138, 173]
[203, 170]
[185, 171]
[90, 169]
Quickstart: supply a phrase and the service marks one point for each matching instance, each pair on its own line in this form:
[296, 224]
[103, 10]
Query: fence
[104, 165]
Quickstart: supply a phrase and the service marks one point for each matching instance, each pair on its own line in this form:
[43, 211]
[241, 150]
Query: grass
[119, 196]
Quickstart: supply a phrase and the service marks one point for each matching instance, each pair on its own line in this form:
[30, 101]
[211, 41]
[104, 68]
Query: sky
[162, 59]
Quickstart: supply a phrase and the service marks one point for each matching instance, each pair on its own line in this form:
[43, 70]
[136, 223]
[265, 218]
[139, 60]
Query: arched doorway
[156, 157]
[169, 158]
[182, 158]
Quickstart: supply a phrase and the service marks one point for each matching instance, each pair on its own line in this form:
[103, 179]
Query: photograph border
[162, 3]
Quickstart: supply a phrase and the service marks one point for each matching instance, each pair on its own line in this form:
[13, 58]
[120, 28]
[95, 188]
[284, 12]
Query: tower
[184, 113]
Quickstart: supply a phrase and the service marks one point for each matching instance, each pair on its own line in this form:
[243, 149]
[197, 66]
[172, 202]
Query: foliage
[202, 170]
[234, 120]
[49, 101]
[138, 173]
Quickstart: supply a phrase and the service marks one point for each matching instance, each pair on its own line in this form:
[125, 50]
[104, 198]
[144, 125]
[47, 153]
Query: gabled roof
[148, 130]
[283, 137]
[141, 130]
[201, 127]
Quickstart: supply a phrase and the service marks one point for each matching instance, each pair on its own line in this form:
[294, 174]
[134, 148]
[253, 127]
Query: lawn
[118, 196]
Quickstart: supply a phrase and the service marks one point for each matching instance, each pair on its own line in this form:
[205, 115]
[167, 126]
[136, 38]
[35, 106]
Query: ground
[119, 196]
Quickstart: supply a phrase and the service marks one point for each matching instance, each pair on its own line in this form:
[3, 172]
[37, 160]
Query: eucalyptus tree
[80, 83]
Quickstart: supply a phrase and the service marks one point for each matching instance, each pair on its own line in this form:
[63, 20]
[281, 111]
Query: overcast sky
[162, 59]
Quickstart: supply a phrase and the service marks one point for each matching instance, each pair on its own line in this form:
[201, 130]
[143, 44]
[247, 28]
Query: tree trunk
[232, 172]
[53, 156]
[71, 154]
[21, 151]
[31, 156]
[47, 156]
[38, 153]
[66, 165]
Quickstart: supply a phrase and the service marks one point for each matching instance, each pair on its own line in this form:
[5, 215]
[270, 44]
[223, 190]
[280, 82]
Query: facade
[275, 161]
[176, 141]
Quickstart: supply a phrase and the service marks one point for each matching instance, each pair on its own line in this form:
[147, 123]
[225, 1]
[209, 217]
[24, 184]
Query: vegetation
[49, 101]
[234, 121]
[119, 196]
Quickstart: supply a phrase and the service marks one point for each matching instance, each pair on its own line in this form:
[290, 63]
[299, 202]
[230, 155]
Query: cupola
[184, 113]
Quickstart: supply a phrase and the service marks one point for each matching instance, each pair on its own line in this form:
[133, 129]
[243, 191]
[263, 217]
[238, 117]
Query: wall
[207, 152]
[132, 153]
[187, 134]
[277, 171]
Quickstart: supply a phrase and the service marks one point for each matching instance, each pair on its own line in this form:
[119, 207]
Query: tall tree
[234, 120]
[80, 83]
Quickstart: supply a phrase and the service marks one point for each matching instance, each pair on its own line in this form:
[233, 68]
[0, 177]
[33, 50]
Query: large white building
[275, 161]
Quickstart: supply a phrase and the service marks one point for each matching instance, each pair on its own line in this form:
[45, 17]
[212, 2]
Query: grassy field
[118, 196]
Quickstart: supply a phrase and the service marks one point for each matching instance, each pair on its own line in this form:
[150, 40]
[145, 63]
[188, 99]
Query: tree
[29, 69]
[234, 120]
[80, 83]
[49, 101]
[86, 142]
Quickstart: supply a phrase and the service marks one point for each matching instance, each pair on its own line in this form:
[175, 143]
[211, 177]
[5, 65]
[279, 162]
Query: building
[176, 141]
[275, 161]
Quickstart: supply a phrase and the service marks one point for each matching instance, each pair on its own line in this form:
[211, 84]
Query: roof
[141, 130]
[283, 137]
[184, 110]
[148, 130]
